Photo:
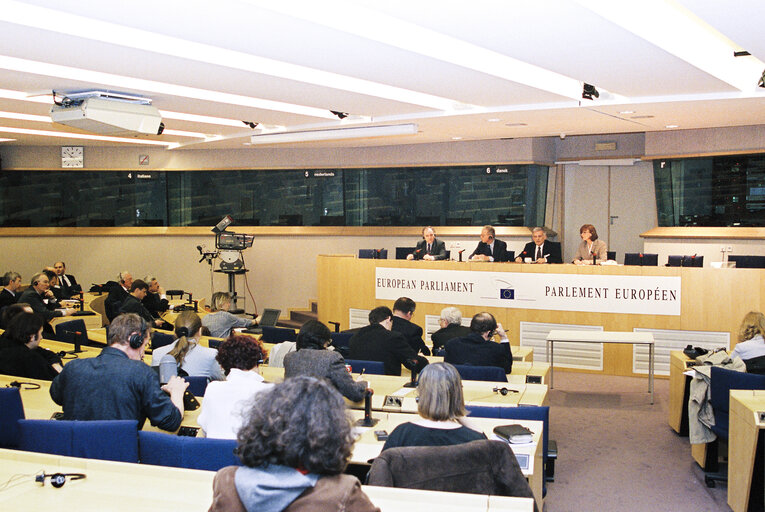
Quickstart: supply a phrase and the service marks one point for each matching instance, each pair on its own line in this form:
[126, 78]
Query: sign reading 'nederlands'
[641, 295]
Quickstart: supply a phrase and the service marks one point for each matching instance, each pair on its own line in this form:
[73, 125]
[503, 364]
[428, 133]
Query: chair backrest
[161, 449]
[372, 254]
[67, 332]
[373, 367]
[278, 334]
[341, 339]
[197, 384]
[102, 439]
[403, 252]
[488, 373]
[641, 259]
[611, 255]
[11, 411]
[214, 342]
[748, 261]
[685, 261]
[160, 339]
[477, 467]
[721, 382]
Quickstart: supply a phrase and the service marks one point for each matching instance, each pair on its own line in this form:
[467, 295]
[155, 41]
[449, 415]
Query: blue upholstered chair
[487, 373]
[106, 440]
[748, 261]
[11, 411]
[160, 339]
[197, 385]
[525, 412]
[641, 259]
[341, 342]
[72, 331]
[162, 449]
[685, 261]
[278, 334]
[371, 367]
[721, 382]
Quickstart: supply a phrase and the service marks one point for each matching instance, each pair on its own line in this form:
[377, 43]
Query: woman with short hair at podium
[441, 407]
[591, 249]
[295, 445]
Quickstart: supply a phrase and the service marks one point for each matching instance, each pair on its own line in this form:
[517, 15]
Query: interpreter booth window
[82, 198]
[509, 195]
[712, 191]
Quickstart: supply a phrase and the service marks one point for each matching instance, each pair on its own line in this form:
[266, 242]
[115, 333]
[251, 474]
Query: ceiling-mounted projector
[108, 116]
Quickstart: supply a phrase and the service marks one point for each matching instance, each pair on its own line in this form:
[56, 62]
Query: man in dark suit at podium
[66, 282]
[429, 248]
[540, 250]
[489, 248]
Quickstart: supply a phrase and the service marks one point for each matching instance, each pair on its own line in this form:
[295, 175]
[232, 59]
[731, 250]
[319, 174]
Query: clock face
[72, 156]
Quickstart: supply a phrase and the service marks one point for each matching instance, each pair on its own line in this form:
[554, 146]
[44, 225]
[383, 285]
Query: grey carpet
[617, 452]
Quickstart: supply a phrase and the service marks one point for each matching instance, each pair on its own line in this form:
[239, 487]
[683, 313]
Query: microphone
[412, 383]
[594, 258]
[168, 367]
[460, 253]
[368, 420]
[416, 253]
[640, 255]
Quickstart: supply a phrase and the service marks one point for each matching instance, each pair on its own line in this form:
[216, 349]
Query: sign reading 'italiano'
[641, 295]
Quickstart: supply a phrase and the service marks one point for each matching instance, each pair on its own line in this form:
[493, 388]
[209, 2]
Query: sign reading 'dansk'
[641, 295]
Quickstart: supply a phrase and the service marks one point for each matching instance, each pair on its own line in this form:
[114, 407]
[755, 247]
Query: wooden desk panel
[744, 432]
[190, 490]
[347, 282]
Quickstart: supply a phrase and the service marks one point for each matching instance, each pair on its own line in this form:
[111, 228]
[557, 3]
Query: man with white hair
[540, 249]
[451, 327]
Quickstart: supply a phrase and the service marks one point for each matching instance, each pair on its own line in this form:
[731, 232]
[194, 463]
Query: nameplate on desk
[523, 460]
[533, 379]
[594, 293]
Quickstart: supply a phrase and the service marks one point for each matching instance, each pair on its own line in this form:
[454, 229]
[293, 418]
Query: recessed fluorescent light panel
[335, 134]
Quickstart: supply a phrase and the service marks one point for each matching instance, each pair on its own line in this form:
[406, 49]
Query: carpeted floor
[617, 452]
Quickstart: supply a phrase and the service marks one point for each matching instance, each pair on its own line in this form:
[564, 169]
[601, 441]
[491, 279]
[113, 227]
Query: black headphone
[58, 480]
[504, 391]
[136, 338]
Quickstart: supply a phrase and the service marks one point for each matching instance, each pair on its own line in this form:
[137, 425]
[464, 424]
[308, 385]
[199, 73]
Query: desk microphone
[416, 253]
[460, 253]
[368, 420]
[413, 382]
[168, 367]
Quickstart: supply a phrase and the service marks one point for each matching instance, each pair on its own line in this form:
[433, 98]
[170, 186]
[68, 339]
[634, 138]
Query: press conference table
[120, 486]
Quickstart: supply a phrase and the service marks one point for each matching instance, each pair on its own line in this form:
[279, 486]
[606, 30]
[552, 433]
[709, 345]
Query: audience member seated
[226, 402]
[376, 342]
[751, 337]
[278, 353]
[441, 407]
[295, 445]
[194, 359]
[451, 327]
[58, 293]
[155, 300]
[133, 304]
[9, 312]
[42, 301]
[10, 292]
[220, 321]
[97, 388]
[478, 349]
[67, 282]
[20, 353]
[117, 294]
[403, 309]
[313, 359]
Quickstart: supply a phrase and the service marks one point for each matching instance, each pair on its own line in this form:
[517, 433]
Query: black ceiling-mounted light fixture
[741, 53]
[761, 83]
[251, 124]
[341, 115]
[589, 91]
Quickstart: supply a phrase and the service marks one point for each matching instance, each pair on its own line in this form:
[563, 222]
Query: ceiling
[457, 70]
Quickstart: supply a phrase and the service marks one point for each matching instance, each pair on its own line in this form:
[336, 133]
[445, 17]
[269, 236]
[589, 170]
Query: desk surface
[164, 488]
[746, 409]
[600, 336]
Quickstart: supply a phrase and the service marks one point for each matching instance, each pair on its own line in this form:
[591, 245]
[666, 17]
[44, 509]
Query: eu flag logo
[506, 293]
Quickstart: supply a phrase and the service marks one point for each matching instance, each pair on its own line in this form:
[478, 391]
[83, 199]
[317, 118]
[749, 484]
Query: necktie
[539, 251]
[428, 248]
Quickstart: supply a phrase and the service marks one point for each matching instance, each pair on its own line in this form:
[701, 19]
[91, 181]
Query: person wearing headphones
[477, 348]
[118, 385]
[489, 248]
[429, 248]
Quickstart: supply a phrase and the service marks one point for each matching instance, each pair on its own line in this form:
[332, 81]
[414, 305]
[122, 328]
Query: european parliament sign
[640, 295]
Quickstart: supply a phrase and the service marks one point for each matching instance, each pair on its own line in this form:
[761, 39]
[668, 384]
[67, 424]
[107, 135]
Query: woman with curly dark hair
[225, 401]
[294, 446]
[20, 353]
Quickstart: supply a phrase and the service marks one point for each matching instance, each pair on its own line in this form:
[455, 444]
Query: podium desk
[746, 446]
[112, 486]
[632, 338]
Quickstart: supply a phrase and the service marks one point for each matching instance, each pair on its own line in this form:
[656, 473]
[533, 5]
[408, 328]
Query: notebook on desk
[269, 319]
